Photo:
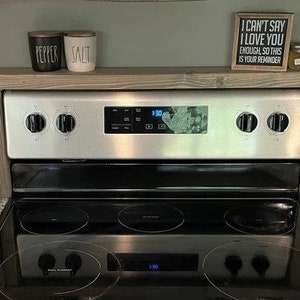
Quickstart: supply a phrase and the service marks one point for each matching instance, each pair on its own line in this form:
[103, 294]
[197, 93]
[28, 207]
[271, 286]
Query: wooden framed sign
[261, 41]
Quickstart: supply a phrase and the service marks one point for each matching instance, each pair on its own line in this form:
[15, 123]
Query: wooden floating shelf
[146, 78]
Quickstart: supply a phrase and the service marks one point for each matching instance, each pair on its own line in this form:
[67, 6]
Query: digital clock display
[153, 262]
[156, 112]
[153, 267]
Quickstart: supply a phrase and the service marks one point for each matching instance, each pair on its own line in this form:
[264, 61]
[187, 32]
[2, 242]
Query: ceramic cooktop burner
[63, 268]
[151, 218]
[55, 220]
[259, 220]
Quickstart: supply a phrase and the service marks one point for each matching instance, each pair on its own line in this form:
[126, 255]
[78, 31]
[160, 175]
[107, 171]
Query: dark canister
[45, 50]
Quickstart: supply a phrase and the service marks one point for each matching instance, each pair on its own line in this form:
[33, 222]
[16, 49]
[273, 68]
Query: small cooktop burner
[54, 220]
[151, 218]
[82, 268]
[259, 220]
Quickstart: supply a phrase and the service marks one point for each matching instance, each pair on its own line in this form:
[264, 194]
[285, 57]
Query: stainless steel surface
[223, 140]
[179, 244]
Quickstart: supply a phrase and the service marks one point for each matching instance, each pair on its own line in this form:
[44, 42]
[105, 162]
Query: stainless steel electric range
[124, 195]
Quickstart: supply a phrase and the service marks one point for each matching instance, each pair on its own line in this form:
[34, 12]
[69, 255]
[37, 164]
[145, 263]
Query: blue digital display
[157, 113]
[153, 267]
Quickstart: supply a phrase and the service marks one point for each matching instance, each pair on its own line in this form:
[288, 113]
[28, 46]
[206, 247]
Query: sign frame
[235, 65]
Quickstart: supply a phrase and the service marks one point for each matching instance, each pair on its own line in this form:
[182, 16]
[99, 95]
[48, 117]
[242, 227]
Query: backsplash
[187, 33]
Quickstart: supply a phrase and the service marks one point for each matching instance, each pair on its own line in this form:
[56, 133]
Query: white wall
[136, 34]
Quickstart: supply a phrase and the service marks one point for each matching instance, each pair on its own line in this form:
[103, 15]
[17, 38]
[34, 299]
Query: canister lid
[295, 46]
[80, 33]
[44, 33]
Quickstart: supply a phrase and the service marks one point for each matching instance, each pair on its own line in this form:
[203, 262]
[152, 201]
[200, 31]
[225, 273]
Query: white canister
[80, 50]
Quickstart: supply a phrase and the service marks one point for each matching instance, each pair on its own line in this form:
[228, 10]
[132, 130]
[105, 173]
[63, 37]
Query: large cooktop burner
[151, 218]
[63, 268]
[54, 219]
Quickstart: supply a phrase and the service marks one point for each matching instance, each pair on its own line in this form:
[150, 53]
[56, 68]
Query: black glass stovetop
[121, 249]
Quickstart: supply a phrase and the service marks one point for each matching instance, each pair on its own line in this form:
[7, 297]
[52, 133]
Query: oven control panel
[177, 124]
[158, 120]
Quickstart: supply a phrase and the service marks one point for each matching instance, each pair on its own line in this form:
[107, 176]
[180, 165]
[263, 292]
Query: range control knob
[233, 263]
[65, 123]
[246, 122]
[278, 122]
[73, 262]
[260, 264]
[46, 263]
[35, 122]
